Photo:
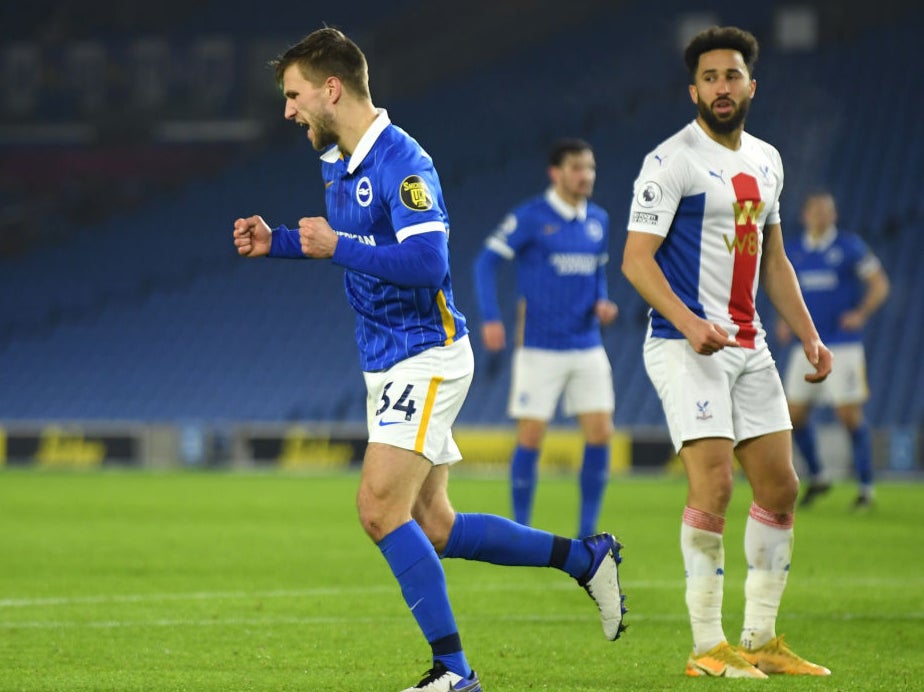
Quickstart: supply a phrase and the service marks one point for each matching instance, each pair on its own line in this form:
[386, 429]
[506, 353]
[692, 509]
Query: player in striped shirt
[844, 284]
[704, 226]
[560, 242]
[387, 226]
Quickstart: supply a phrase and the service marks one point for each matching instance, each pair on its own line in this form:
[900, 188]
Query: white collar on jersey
[823, 242]
[365, 142]
[565, 210]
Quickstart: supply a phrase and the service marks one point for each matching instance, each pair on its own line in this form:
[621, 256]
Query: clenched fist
[252, 237]
[317, 237]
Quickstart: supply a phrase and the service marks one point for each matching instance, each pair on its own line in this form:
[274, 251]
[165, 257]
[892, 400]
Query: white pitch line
[334, 620]
[564, 585]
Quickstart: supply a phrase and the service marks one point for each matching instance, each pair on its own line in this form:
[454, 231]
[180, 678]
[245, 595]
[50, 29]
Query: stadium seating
[151, 316]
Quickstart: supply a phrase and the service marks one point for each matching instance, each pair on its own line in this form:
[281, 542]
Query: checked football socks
[500, 541]
[417, 568]
[595, 472]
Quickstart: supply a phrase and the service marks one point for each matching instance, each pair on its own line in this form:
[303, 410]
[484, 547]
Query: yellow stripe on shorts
[449, 322]
[425, 416]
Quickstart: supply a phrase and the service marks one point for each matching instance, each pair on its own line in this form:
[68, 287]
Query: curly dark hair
[717, 38]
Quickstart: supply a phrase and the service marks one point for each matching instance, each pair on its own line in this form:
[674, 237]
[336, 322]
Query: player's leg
[410, 408]
[708, 463]
[768, 532]
[524, 468]
[589, 395]
[538, 377]
[709, 469]
[765, 453]
[849, 392]
[592, 561]
[597, 428]
[861, 444]
[801, 396]
[697, 406]
[390, 481]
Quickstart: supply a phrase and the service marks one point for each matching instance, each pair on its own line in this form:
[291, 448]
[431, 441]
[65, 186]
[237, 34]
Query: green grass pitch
[234, 581]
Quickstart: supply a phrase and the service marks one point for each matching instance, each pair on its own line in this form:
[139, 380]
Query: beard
[323, 132]
[724, 126]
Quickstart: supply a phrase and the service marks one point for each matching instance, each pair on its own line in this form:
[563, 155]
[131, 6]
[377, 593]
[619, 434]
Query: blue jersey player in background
[387, 226]
[843, 284]
[560, 243]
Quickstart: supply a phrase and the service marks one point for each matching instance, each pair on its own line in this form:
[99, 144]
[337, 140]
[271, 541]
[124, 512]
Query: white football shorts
[583, 378]
[845, 385]
[735, 393]
[414, 403]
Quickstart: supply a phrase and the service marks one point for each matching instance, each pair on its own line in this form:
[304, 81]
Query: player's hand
[821, 359]
[853, 320]
[317, 237]
[493, 335]
[252, 237]
[783, 332]
[606, 311]
[707, 338]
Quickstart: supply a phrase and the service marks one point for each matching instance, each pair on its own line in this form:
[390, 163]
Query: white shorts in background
[845, 385]
[734, 393]
[541, 377]
[414, 403]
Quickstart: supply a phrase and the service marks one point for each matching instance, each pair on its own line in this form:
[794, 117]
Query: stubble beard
[324, 133]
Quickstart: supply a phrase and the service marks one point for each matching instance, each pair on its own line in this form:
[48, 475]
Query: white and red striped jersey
[711, 206]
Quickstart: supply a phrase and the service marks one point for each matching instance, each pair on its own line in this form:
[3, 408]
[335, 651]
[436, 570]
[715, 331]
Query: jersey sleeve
[656, 193]
[413, 193]
[773, 216]
[512, 233]
[285, 242]
[865, 263]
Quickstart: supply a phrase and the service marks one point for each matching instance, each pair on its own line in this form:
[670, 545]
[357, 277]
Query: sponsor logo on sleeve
[649, 195]
[644, 217]
[414, 194]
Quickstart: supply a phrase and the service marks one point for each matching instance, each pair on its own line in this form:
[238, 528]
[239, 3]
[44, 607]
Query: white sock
[768, 539]
[704, 563]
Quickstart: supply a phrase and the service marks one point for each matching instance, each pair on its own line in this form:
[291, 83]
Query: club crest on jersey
[414, 194]
[364, 192]
[594, 229]
[650, 195]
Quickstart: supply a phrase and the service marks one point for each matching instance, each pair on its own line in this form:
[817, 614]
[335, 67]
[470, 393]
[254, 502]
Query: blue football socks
[523, 475]
[594, 476]
[861, 440]
[805, 440]
[500, 541]
[417, 568]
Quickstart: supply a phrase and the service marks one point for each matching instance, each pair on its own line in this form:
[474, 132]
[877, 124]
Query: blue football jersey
[386, 192]
[831, 274]
[560, 253]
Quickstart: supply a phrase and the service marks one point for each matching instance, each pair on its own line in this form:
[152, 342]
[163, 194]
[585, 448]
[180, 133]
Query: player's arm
[493, 334]
[418, 261]
[642, 271]
[877, 290]
[782, 287]
[604, 308]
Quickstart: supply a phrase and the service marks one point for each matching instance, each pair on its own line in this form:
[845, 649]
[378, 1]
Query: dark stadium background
[133, 134]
